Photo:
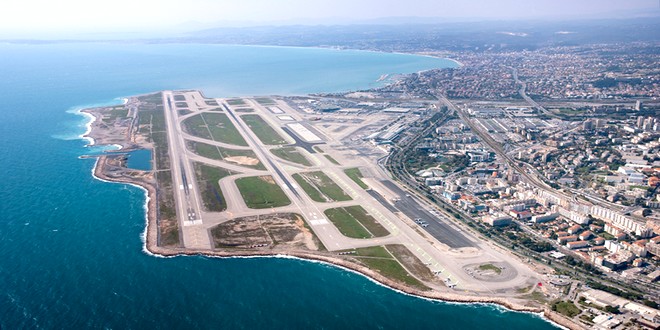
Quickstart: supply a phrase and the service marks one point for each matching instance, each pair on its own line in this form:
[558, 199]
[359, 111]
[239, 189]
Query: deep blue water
[71, 245]
[139, 160]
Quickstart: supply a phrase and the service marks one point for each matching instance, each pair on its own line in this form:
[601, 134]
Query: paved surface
[438, 227]
[506, 273]
[309, 146]
[301, 203]
[447, 259]
[188, 207]
[382, 200]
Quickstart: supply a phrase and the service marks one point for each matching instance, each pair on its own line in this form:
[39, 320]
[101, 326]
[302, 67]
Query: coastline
[150, 247]
[459, 63]
[339, 49]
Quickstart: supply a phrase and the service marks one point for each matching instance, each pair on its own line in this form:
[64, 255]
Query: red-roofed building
[574, 229]
[585, 235]
[521, 215]
[566, 239]
[639, 248]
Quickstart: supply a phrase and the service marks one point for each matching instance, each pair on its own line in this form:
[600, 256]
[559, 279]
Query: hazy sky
[108, 15]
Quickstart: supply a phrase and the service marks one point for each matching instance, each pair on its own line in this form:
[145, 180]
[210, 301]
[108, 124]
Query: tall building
[589, 125]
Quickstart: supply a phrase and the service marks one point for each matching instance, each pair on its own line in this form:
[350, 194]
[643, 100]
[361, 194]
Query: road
[497, 147]
[523, 94]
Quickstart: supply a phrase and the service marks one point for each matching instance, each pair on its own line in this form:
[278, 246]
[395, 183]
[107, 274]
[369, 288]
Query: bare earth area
[243, 160]
[277, 231]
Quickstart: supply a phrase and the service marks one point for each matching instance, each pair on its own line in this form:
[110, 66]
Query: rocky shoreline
[151, 239]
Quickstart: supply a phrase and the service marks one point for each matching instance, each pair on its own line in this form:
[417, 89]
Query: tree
[646, 212]
[613, 310]
[650, 303]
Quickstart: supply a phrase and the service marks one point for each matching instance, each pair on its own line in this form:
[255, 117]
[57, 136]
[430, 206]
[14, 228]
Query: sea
[71, 247]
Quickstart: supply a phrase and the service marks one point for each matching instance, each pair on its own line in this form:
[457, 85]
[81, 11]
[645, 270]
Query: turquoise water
[71, 245]
[139, 160]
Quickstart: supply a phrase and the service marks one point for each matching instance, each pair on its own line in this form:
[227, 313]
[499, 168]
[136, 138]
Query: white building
[545, 217]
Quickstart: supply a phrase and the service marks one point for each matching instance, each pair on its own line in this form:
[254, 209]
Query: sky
[25, 16]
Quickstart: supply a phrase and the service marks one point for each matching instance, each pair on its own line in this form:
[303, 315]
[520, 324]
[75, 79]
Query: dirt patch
[169, 232]
[271, 231]
[310, 240]
[268, 179]
[242, 160]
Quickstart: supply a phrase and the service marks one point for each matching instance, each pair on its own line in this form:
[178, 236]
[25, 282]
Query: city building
[496, 220]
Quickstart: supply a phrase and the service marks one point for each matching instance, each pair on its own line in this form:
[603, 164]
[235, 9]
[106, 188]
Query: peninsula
[276, 176]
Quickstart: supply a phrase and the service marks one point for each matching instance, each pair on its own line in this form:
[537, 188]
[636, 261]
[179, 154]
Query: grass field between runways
[208, 180]
[260, 192]
[320, 187]
[356, 176]
[240, 157]
[291, 154]
[214, 126]
[355, 222]
[263, 130]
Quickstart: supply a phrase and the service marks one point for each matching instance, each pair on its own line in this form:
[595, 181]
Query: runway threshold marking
[341, 182]
[187, 223]
[386, 220]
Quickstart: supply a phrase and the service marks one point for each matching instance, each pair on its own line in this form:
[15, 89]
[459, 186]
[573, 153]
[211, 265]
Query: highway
[523, 94]
[527, 175]
[495, 146]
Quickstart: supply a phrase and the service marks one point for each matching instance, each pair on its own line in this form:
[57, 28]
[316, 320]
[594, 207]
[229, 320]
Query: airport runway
[382, 200]
[446, 259]
[184, 184]
[437, 227]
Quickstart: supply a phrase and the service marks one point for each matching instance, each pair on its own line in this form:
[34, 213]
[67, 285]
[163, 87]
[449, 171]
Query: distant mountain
[396, 34]
[431, 35]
